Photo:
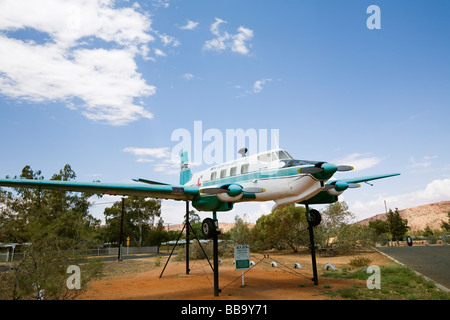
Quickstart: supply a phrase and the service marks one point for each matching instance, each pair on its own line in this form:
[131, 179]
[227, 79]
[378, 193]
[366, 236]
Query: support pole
[119, 253]
[186, 225]
[216, 256]
[187, 237]
[179, 236]
[312, 246]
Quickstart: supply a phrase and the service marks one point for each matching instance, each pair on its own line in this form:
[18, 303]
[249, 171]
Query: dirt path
[263, 282]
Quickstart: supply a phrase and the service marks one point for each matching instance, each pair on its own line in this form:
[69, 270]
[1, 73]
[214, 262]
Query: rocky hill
[223, 226]
[420, 217]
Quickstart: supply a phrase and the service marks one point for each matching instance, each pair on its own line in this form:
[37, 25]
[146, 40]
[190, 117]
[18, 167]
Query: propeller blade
[309, 170]
[329, 187]
[254, 190]
[213, 190]
[354, 185]
[345, 168]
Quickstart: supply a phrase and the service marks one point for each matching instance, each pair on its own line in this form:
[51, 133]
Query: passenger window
[223, 173]
[244, 168]
[268, 157]
[264, 157]
[213, 175]
[233, 171]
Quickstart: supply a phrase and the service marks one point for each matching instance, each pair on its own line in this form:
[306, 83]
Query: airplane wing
[334, 188]
[367, 178]
[160, 191]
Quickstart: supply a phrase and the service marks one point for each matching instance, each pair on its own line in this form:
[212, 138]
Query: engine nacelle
[333, 192]
[235, 193]
[338, 188]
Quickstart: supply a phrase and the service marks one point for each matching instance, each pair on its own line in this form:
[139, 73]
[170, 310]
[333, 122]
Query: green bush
[360, 262]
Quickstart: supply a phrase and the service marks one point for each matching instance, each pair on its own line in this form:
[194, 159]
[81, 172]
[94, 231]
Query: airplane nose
[328, 169]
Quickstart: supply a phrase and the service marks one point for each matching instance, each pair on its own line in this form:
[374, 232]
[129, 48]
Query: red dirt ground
[262, 282]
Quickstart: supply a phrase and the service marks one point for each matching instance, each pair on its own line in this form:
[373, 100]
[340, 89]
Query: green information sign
[242, 257]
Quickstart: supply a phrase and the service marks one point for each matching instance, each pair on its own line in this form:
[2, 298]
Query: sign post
[242, 258]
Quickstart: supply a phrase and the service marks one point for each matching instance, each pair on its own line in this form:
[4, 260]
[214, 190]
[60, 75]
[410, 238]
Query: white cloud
[358, 161]
[164, 161]
[424, 163]
[190, 25]
[159, 52]
[161, 3]
[168, 40]
[158, 153]
[223, 40]
[258, 85]
[144, 160]
[188, 76]
[67, 21]
[168, 167]
[240, 39]
[68, 65]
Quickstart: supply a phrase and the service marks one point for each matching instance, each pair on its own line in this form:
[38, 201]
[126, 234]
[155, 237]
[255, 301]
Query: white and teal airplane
[267, 176]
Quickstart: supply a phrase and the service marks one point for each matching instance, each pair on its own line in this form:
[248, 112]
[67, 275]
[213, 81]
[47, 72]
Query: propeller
[341, 186]
[345, 168]
[318, 168]
[235, 189]
[254, 190]
[310, 170]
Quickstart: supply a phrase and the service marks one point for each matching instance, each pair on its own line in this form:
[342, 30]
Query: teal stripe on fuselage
[259, 175]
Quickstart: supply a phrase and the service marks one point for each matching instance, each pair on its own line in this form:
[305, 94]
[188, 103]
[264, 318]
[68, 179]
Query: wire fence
[10, 255]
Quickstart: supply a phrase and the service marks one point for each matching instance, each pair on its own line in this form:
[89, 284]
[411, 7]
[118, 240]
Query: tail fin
[185, 173]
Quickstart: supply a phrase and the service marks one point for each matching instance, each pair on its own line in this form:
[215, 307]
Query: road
[431, 261]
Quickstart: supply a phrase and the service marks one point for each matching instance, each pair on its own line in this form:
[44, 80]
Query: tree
[26, 211]
[193, 217]
[379, 229]
[55, 224]
[158, 235]
[334, 218]
[240, 233]
[446, 225]
[396, 225]
[281, 228]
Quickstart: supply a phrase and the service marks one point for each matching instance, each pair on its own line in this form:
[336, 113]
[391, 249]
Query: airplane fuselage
[274, 171]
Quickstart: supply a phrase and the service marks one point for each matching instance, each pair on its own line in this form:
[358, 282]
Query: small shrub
[360, 262]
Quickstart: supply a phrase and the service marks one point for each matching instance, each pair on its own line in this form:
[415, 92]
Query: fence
[9, 256]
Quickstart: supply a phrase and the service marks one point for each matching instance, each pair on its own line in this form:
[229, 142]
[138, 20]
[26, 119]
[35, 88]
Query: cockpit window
[274, 156]
[283, 155]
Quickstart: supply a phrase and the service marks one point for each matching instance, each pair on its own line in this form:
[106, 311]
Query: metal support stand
[167, 262]
[119, 254]
[312, 246]
[216, 256]
[187, 225]
[188, 240]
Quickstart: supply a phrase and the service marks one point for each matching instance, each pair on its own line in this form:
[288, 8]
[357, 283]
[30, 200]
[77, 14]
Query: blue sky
[102, 85]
